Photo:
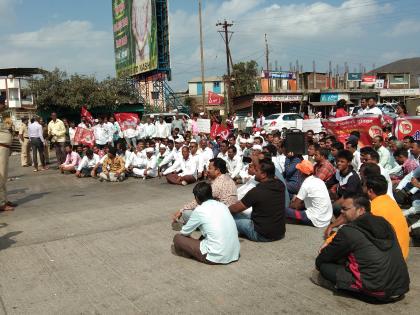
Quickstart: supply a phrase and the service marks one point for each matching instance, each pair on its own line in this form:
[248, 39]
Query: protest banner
[407, 126]
[84, 136]
[368, 126]
[219, 130]
[203, 125]
[127, 120]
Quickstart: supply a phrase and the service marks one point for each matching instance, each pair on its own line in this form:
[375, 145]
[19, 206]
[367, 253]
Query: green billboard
[135, 36]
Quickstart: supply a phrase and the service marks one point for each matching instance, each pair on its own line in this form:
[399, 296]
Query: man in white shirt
[224, 145]
[249, 123]
[363, 107]
[35, 134]
[140, 131]
[352, 147]
[233, 163]
[372, 108]
[384, 154]
[102, 135]
[149, 128]
[312, 205]
[220, 243]
[87, 164]
[174, 153]
[206, 154]
[260, 121]
[162, 129]
[148, 168]
[251, 183]
[184, 170]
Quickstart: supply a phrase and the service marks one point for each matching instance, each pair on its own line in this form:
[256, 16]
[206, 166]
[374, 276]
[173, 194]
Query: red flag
[127, 120]
[219, 130]
[87, 115]
[215, 99]
[368, 126]
[84, 136]
[408, 126]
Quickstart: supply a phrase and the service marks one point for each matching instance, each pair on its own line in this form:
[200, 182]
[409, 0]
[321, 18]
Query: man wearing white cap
[149, 168]
[247, 151]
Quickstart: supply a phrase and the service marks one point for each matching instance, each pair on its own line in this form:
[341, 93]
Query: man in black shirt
[267, 221]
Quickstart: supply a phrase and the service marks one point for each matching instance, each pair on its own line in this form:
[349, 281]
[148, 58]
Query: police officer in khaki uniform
[5, 143]
[25, 154]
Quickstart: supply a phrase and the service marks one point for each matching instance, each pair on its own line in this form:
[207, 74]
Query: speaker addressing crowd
[253, 183]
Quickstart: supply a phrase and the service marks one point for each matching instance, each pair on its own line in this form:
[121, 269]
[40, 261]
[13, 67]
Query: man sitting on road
[148, 168]
[382, 205]
[184, 170]
[323, 169]
[220, 243]
[364, 256]
[223, 188]
[267, 222]
[87, 165]
[72, 160]
[312, 204]
[113, 167]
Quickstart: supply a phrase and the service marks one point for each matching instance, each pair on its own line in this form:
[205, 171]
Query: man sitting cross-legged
[71, 162]
[148, 167]
[312, 204]
[364, 256]
[220, 243]
[87, 165]
[113, 167]
[184, 170]
[267, 222]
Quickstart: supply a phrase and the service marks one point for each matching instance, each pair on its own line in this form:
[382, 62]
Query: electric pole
[226, 37]
[203, 83]
[266, 54]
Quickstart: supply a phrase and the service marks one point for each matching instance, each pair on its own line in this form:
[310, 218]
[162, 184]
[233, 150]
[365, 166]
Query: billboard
[135, 36]
[354, 77]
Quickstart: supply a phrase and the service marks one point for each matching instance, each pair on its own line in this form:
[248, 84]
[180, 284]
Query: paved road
[84, 247]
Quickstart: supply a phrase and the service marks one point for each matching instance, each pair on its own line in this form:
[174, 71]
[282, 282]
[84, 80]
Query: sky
[76, 35]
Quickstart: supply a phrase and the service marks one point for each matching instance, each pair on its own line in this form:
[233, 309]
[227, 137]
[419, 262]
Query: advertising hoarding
[135, 36]
[354, 77]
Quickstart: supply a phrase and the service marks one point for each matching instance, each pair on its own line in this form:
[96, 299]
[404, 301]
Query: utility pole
[203, 83]
[266, 53]
[225, 31]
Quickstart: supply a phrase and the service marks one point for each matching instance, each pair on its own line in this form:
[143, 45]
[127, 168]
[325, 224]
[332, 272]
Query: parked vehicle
[281, 120]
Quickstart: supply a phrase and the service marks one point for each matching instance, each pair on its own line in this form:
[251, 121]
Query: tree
[56, 88]
[245, 78]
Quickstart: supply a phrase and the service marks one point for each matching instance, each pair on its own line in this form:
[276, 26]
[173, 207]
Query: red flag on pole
[84, 136]
[215, 99]
[87, 115]
[127, 120]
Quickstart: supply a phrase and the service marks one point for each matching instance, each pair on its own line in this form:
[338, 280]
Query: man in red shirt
[323, 168]
[341, 112]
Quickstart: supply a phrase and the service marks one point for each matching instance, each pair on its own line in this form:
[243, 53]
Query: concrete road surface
[78, 246]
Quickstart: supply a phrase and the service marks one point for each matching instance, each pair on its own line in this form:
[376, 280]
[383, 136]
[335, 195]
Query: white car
[281, 120]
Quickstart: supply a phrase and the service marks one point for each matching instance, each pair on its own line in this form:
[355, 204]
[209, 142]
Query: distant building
[213, 84]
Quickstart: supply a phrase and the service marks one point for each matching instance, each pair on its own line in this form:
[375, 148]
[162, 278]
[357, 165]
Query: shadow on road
[31, 198]
[6, 240]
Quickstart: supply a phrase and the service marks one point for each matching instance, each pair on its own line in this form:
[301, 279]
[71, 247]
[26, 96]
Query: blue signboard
[329, 97]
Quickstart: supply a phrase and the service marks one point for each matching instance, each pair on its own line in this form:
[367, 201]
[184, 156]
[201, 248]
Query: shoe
[318, 279]
[101, 179]
[6, 207]
[177, 226]
[410, 211]
[184, 183]
[11, 204]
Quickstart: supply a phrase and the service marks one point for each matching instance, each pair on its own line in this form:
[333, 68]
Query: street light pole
[203, 83]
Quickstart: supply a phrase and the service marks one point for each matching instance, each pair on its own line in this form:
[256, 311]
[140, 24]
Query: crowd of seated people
[364, 199]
